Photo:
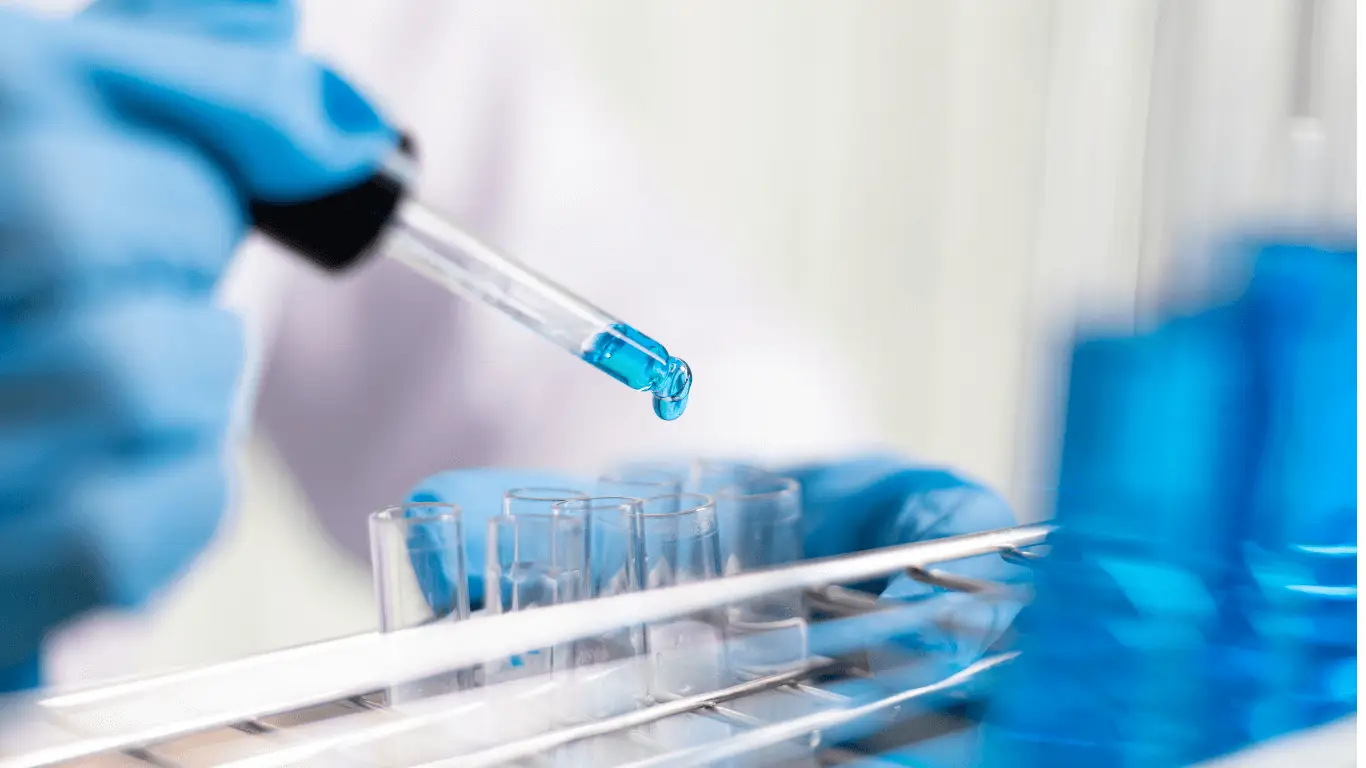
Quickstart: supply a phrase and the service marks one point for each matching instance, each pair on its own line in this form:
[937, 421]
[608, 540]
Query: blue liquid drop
[644, 365]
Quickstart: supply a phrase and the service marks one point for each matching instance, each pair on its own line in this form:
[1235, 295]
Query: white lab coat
[370, 382]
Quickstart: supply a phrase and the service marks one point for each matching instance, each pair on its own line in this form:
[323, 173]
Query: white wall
[926, 178]
[948, 187]
[881, 159]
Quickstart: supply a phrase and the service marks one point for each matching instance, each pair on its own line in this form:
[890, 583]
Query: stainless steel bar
[787, 730]
[289, 656]
[841, 601]
[1018, 556]
[938, 578]
[819, 693]
[735, 716]
[332, 744]
[143, 756]
[548, 741]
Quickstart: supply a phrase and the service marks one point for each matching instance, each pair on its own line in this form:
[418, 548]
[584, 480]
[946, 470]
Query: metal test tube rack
[314, 705]
[317, 702]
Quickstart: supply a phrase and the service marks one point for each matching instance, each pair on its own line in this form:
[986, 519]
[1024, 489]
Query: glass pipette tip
[463, 265]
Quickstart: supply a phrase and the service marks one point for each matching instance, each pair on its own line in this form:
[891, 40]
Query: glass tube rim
[662, 476]
[511, 518]
[590, 507]
[708, 503]
[691, 469]
[785, 485]
[393, 513]
[521, 494]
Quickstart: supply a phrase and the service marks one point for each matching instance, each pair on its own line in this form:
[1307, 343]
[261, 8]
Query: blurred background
[945, 189]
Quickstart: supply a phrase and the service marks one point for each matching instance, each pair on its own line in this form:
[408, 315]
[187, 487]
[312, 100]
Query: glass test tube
[417, 554]
[641, 481]
[760, 521]
[711, 475]
[619, 684]
[537, 556]
[678, 543]
[537, 500]
[698, 475]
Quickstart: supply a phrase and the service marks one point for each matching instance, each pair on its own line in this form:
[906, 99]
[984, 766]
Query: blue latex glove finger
[283, 126]
[111, 377]
[957, 628]
[117, 523]
[96, 211]
[878, 501]
[120, 140]
[479, 494]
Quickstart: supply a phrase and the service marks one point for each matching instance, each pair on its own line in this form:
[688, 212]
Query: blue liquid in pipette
[642, 364]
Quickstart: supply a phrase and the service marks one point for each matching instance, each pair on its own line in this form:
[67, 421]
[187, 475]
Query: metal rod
[294, 753]
[937, 578]
[818, 693]
[787, 730]
[547, 741]
[1021, 557]
[841, 601]
[735, 716]
[275, 683]
[143, 756]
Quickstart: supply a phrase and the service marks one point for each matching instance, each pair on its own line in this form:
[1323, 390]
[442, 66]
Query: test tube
[417, 555]
[709, 475]
[616, 557]
[615, 542]
[698, 475]
[760, 521]
[537, 500]
[678, 543]
[338, 230]
[642, 481]
[535, 559]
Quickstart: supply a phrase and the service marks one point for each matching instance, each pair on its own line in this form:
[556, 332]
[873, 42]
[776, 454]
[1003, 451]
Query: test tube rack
[323, 704]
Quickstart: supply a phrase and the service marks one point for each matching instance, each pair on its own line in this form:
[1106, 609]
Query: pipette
[338, 230]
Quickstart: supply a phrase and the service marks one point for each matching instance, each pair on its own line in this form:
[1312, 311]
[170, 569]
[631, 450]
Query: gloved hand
[848, 506]
[130, 140]
[878, 501]
[479, 494]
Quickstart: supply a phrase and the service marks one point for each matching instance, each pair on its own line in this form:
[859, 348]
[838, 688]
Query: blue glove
[880, 501]
[848, 506]
[479, 495]
[130, 140]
